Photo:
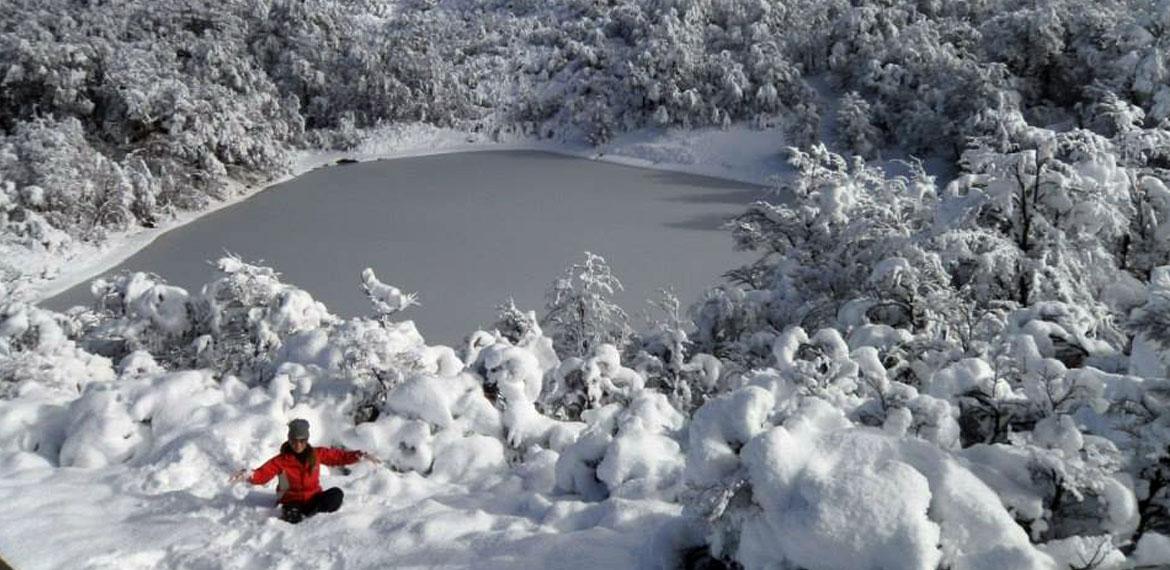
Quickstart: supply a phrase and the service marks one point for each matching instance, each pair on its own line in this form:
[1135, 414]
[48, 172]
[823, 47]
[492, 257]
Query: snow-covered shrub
[854, 122]
[626, 451]
[1097, 552]
[38, 351]
[513, 378]
[718, 432]
[371, 356]
[522, 329]
[663, 359]
[1058, 482]
[427, 418]
[1063, 207]
[899, 408]
[576, 467]
[824, 249]
[516, 325]
[580, 314]
[819, 493]
[138, 417]
[728, 320]
[100, 429]
[23, 225]
[819, 365]
[141, 312]
[387, 299]
[249, 314]
[1150, 324]
[1077, 476]
[580, 384]
[1019, 387]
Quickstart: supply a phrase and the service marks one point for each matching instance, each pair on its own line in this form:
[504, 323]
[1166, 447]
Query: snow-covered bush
[518, 326]
[580, 313]
[830, 495]
[370, 357]
[728, 320]
[387, 299]
[664, 362]
[249, 314]
[38, 351]
[816, 491]
[848, 232]
[626, 451]
[441, 424]
[1151, 324]
[140, 311]
[856, 128]
[580, 384]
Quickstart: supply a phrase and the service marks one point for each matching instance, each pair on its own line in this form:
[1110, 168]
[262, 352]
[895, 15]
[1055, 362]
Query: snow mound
[836, 496]
[1153, 550]
[629, 452]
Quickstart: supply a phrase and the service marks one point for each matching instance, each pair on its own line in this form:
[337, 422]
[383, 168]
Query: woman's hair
[310, 456]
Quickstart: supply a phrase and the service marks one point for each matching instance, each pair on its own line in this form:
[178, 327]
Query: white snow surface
[835, 496]
[144, 463]
[162, 517]
[1153, 550]
[133, 465]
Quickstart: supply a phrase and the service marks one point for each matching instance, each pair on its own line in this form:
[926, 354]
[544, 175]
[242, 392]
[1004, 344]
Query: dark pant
[326, 501]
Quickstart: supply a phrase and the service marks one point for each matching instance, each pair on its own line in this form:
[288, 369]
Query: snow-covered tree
[387, 299]
[820, 252]
[580, 312]
[856, 128]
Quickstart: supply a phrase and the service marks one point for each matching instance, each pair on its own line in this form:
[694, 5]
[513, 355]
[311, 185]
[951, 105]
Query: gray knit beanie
[298, 429]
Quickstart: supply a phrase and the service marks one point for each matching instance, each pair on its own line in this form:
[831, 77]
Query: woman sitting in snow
[299, 467]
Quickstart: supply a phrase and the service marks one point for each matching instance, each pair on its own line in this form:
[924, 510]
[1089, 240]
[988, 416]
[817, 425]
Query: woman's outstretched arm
[334, 456]
[259, 476]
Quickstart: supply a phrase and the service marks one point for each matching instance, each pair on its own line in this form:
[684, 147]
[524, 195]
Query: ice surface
[466, 231]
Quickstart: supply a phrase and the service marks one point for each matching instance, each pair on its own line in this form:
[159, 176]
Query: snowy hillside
[967, 372]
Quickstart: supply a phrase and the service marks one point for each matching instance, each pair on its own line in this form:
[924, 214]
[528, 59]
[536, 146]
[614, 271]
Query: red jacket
[303, 484]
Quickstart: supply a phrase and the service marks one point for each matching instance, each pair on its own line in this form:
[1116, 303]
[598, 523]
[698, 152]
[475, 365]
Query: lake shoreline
[751, 159]
[467, 231]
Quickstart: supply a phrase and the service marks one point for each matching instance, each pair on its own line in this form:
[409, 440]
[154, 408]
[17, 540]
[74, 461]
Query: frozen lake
[466, 231]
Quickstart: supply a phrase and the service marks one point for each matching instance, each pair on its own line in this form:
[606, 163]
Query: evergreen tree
[580, 312]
